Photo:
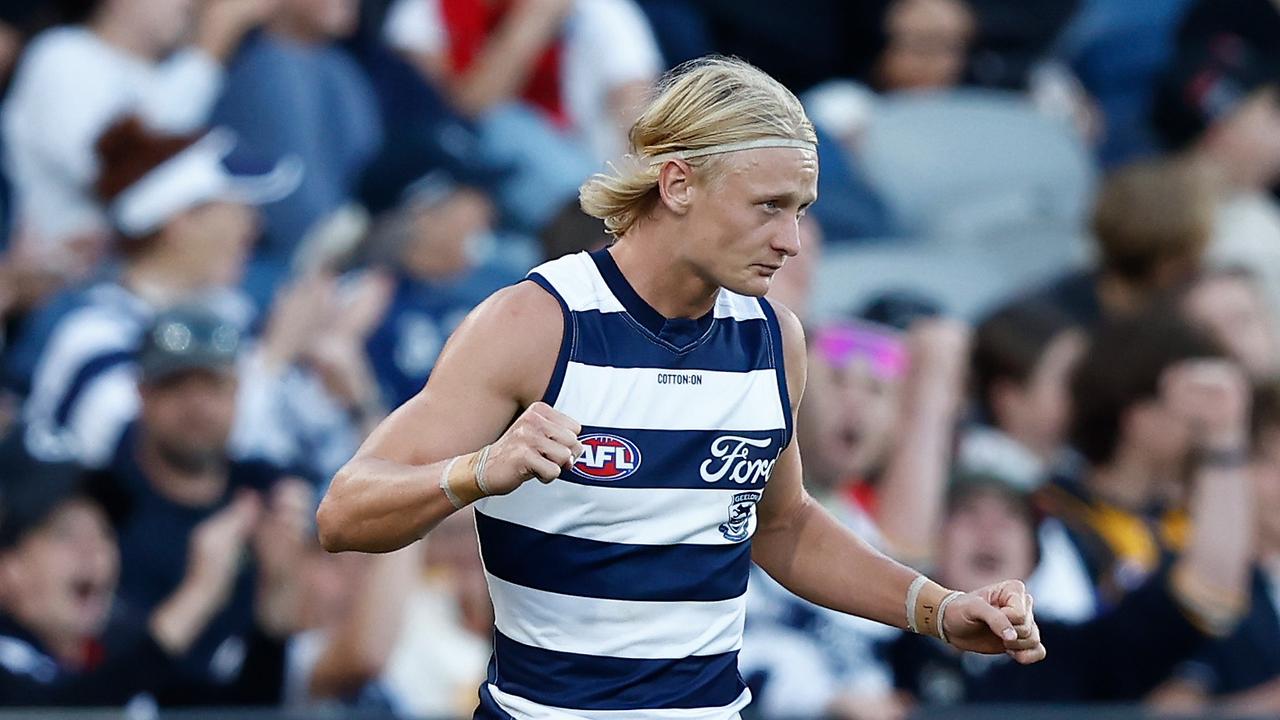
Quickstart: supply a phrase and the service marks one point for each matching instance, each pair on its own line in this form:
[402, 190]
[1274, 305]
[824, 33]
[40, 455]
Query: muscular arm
[498, 362]
[803, 547]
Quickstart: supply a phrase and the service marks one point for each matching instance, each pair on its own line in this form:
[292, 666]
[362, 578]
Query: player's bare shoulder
[514, 337]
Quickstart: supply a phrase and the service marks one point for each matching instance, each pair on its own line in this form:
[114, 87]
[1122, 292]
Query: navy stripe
[676, 458]
[779, 352]
[612, 571]
[566, 341]
[87, 373]
[489, 708]
[613, 340]
[592, 682]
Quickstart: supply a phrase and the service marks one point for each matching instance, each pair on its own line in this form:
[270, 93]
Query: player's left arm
[811, 554]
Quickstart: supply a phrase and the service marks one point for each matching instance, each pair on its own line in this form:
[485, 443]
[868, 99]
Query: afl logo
[607, 457]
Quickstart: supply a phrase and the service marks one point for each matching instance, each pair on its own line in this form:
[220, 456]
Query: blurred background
[236, 233]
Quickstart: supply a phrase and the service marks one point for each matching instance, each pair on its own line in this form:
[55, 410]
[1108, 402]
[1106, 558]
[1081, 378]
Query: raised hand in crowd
[279, 542]
[914, 482]
[215, 553]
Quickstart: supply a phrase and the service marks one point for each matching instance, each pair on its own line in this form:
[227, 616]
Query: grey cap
[185, 338]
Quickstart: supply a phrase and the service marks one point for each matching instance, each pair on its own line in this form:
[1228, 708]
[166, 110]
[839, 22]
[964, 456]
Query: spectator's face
[741, 221]
[1235, 313]
[1037, 413]
[1249, 139]
[187, 417]
[927, 44]
[847, 420]
[1160, 437]
[443, 234]
[1266, 475]
[212, 241]
[61, 578]
[986, 538]
[165, 22]
[322, 20]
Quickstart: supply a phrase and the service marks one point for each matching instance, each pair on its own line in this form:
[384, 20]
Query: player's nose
[787, 241]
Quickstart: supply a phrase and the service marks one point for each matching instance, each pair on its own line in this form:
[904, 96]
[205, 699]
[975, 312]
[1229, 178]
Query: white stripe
[523, 709]
[633, 398]
[579, 283]
[635, 516]
[738, 307]
[616, 628]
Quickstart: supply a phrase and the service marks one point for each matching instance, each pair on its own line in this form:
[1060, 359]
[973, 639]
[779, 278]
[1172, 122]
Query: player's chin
[755, 285]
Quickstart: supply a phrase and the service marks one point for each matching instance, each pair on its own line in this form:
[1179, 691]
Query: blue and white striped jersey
[618, 589]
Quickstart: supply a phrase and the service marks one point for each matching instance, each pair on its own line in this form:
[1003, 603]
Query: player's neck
[661, 280]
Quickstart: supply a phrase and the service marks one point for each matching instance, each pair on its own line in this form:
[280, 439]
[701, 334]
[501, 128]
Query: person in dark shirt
[1240, 675]
[63, 638]
[433, 245]
[989, 530]
[173, 467]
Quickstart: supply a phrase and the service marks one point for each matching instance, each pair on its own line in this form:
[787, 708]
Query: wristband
[924, 599]
[942, 612]
[459, 480]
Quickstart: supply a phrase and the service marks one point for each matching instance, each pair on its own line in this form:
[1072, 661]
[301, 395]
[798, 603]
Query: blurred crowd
[235, 234]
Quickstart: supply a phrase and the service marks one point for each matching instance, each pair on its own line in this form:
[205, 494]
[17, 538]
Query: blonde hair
[701, 103]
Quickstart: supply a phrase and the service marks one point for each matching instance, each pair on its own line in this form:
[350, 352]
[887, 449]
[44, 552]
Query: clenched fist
[541, 443]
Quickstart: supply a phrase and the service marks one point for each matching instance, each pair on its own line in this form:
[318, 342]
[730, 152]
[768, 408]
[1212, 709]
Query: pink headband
[882, 348]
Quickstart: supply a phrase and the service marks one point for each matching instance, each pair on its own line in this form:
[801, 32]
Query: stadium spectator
[1152, 223]
[877, 431]
[74, 81]
[293, 89]
[441, 246]
[585, 65]
[185, 227]
[67, 642]
[1124, 511]
[989, 530]
[1022, 359]
[551, 84]
[1240, 674]
[1229, 305]
[1219, 103]
[173, 468]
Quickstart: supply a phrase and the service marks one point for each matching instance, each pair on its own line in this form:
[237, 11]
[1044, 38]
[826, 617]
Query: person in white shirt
[158, 59]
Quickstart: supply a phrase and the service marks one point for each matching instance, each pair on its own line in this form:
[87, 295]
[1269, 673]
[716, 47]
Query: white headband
[767, 142]
[195, 176]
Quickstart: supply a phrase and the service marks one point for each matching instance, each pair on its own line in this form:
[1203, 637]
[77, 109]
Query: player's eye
[771, 206]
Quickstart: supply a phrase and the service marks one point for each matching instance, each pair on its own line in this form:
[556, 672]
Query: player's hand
[996, 619]
[540, 444]
[1212, 397]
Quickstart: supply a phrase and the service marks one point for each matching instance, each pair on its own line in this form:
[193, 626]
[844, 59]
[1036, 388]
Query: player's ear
[675, 186]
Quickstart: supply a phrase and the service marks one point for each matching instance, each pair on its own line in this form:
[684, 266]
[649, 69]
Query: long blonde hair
[701, 103]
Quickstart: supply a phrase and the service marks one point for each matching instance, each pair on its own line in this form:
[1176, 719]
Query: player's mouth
[766, 269]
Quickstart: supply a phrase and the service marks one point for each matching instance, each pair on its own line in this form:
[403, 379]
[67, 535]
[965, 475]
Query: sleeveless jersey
[618, 589]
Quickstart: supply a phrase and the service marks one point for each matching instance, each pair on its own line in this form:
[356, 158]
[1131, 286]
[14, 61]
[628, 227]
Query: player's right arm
[485, 388]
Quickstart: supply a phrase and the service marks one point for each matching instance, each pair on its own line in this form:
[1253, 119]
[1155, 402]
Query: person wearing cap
[1219, 105]
[159, 59]
[989, 531]
[174, 467]
[186, 221]
[67, 639]
[651, 391]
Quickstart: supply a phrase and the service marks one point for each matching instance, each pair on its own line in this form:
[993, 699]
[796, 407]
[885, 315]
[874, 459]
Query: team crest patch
[740, 509]
[606, 457]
